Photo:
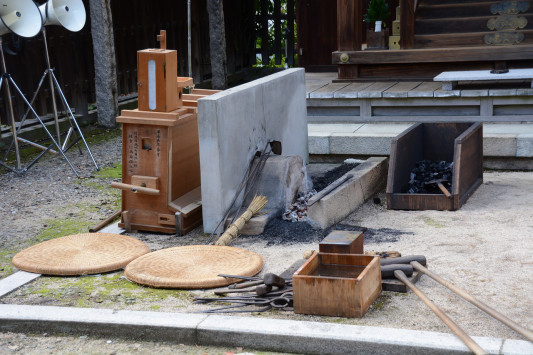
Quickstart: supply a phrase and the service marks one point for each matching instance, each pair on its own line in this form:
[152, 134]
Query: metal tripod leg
[71, 116]
[24, 119]
[42, 124]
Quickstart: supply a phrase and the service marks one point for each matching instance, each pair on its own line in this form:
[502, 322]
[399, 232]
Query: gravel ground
[484, 248]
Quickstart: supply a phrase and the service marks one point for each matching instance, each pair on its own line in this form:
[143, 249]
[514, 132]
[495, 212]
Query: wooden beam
[437, 55]
[290, 33]
[349, 25]
[277, 32]
[407, 24]
[264, 32]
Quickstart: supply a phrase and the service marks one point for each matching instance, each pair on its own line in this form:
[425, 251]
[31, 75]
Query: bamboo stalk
[465, 295]
[233, 231]
[472, 345]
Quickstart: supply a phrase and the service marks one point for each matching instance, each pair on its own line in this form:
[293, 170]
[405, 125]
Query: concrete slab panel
[334, 128]
[16, 280]
[501, 145]
[383, 129]
[357, 144]
[236, 123]
[507, 128]
[524, 145]
[319, 143]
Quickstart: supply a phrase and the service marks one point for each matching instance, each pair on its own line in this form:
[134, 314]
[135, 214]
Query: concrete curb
[256, 333]
[368, 178]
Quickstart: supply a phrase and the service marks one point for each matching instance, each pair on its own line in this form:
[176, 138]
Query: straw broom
[233, 231]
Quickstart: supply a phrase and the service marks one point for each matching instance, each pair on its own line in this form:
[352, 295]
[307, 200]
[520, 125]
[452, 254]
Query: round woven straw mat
[80, 254]
[194, 266]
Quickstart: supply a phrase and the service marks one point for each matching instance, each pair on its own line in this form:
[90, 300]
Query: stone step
[513, 140]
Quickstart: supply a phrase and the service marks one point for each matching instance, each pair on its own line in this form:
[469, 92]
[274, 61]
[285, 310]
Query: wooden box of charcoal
[435, 166]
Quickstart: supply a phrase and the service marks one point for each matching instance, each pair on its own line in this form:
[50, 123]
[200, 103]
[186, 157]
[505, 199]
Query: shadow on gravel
[371, 235]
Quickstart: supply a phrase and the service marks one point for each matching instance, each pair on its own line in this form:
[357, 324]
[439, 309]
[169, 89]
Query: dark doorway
[317, 34]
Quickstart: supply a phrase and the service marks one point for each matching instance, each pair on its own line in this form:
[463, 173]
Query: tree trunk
[105, 66]
[217, 44]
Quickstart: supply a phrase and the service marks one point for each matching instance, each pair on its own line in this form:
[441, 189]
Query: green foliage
[270, 28]
[378, 10]
[112, 172]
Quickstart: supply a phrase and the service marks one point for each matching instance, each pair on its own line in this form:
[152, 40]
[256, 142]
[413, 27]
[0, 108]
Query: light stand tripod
[19, 169]
[74, 127]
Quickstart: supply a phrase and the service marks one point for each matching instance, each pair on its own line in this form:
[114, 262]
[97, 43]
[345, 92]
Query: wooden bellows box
[339, 285]
[459, 142]
[157, 70]
[160, 171]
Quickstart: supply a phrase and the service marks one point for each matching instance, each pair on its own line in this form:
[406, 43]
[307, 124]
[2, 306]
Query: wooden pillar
[277, 32]
[264, 33]
[105, 65]
[349, 33]
[290, 33]
[407, 24]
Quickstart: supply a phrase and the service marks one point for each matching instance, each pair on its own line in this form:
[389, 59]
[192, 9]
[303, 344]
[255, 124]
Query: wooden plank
[375, 90]
[188, 202]
[469, 161]
[401, 89]
[277, 32]
[447, 40]
[407, 24]
[204, 92]
[327, 91]
[351, 91]
[437, 55]
[349, 25]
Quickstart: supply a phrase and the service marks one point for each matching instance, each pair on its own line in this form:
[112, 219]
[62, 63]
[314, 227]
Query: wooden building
[435, 36]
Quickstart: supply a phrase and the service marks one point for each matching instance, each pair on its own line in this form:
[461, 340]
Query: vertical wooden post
[290, 33]
[407, 24]
[264, 32]
[162, 39]
[277, 31]
[349, 33]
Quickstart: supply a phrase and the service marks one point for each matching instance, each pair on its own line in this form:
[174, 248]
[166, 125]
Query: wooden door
[317, 34]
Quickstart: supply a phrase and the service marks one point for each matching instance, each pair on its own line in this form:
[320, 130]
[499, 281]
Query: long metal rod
[52, 90]
[472, 345]
[25, 115]
[73, 118]
[465, 295]
[10, 106]
[44, 126]
[189, 38]
[36, 145]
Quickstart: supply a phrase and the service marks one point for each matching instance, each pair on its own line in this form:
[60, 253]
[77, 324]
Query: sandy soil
[485, 248]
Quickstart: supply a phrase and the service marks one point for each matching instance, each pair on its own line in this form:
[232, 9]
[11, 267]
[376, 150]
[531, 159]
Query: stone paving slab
[499, 139]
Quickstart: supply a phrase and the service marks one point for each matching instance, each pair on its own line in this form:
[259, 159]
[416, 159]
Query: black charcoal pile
[297, 212]
[426, 174]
